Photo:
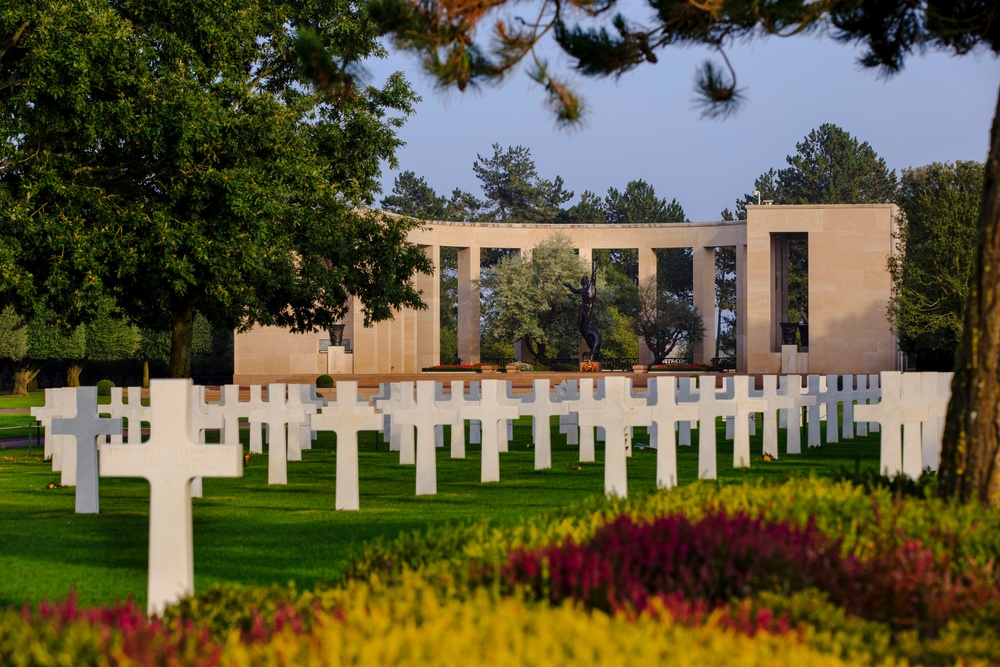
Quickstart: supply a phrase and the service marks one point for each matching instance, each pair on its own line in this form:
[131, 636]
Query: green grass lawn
[34, 397]
[246, 531]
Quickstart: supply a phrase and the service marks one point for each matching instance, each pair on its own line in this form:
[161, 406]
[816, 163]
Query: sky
[644, 125]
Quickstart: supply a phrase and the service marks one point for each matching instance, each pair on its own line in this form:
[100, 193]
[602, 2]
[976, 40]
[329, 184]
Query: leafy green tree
[513, 189]
[588, 211]
[524, 298]
[154, 345]
[13, 340]
[463, 207]
[940, 206]
[413, 197]
[890, 31]
[664, 321]
[191, 165]
[638, 204]
[725, 297]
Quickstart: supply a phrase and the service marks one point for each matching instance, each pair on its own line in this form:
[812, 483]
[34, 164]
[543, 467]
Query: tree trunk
[73, 371]
[23, 374]
[970, 453]
[145, 373]
[181, 336]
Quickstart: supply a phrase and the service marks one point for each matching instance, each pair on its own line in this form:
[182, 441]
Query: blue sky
[644, 125]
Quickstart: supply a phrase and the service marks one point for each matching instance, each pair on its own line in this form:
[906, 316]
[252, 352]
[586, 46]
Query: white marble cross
[832, 399]
[900, 407]
[135, 413]
[201, 422]
[784, 394]
[55, 408]
[400, 438]
[710, 406]
[256, 402]
[276, 413]
[302, 397]
[169, 460]
[744, 406]
[84, 429]
[116, 403]
[816, 387]
[491, 411]
[231, 410]
[569, 390]
[617, 412]
[665, 411]
[687, 392]
[861, 396]
[423, 414]
[845, 396]
[384, 394]
[935, 392]
[587, 400]
[541, 405]
[454, 406]
[346, 417]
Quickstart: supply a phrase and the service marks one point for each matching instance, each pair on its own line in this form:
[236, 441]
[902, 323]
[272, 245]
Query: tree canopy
[177, 156]
[940, 206]
[514, 191]
[524, 298]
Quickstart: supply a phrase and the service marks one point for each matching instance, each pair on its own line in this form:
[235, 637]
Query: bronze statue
[588, 294]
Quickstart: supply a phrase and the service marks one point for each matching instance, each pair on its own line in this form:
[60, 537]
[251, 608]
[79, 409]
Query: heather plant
[715, 559]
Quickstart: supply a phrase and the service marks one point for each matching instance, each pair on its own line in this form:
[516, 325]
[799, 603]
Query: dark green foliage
[324, 382]
[192, 165]
[940, 205]
[413, 197]
[104, 387]
[514, 190]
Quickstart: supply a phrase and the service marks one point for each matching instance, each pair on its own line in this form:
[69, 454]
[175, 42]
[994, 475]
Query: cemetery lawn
[248, 532]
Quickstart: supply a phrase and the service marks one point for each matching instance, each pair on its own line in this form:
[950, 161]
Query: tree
[639, 204]
[524, 298]
[890, 31]
[463, 207]
[154, 345]
[13, 340]
[940, 206]
[413, 197]
[514, 191]
[664, 321]
[588, 211]
[191, 165]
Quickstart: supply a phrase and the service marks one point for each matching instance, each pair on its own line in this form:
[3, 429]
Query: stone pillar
[647, 271]
[741, 308]
[468, 305]
[427, 331]
[704, 300]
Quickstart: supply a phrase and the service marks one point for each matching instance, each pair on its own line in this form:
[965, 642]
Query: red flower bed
[694, 567]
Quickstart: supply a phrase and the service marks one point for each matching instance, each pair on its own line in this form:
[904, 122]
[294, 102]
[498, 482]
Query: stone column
[468, 305]
[428, 322]
[741, 308]
[704, 300]
[647, 270]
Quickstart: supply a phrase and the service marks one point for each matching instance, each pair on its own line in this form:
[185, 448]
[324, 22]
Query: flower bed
[804, 573]
[453, 368]
[681, 368]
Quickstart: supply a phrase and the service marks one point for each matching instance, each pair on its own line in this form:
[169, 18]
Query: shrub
[104, 387]
[324, 382]
[715, 559]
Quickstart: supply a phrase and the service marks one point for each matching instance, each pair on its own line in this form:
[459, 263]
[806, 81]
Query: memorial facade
[848, 285]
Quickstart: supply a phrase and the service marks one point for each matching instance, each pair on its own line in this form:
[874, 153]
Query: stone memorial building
[848, 286]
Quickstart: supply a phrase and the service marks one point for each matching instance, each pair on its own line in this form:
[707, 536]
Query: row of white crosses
[175, 455]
